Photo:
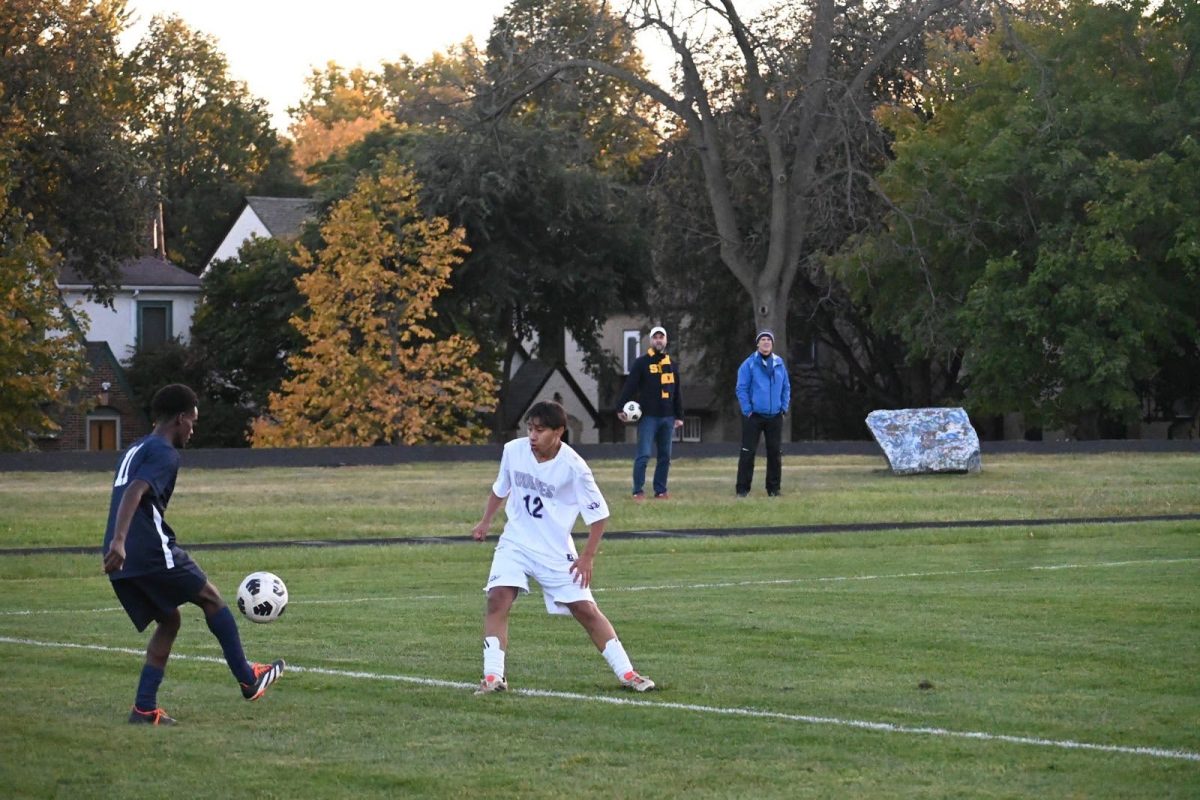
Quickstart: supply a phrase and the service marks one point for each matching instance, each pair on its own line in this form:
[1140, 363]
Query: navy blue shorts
[156, 595]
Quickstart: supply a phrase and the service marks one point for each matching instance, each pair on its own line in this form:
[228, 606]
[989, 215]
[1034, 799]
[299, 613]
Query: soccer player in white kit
[547, 485]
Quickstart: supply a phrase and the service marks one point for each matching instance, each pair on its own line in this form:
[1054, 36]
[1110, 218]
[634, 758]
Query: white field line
[754, 713]
[685, 586]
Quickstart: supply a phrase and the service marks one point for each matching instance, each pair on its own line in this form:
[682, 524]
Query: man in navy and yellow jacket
[764, 392]
[654, 382]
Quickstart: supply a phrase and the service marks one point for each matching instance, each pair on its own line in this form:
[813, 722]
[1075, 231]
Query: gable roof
[137, 273]
[283, 217]
[526, 385]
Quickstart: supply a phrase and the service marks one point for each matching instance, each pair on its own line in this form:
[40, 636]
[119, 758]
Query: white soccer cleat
[492, 683]
[639, 683]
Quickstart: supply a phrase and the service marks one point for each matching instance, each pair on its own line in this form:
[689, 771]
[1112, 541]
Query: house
[111, 416]
[591, 404]
[535, 380]
[268, 218]
[153, 302]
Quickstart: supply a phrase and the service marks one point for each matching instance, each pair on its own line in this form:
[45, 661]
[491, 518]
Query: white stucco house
[154, 302]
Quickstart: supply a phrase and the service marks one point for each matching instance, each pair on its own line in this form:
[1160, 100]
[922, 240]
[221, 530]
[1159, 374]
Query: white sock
[614, 654]
[493, 657]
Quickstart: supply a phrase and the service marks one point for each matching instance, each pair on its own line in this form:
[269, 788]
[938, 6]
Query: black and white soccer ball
[262, 597]
[633, 411]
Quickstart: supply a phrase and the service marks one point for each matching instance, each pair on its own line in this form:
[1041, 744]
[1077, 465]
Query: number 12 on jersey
[534, 509]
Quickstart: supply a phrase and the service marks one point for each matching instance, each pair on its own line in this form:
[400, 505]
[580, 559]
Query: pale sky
[273, 45]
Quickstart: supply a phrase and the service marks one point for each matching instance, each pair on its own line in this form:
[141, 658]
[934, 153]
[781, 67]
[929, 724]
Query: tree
[808, 78]
[1046, 228]
[556, 246]
[557, 243]
[41, 357]
[73, 169]
[338, 110]
[609, 120]
[242, 336]
[206, 141]
[241, 326]
[372, 371]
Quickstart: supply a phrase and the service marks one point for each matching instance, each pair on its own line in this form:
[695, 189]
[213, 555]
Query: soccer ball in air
[262, 597]
[633, 411]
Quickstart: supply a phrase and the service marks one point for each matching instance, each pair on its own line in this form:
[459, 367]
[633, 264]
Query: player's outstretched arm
[479, 532]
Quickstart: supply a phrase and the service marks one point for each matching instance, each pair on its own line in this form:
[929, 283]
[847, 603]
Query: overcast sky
[273, 44]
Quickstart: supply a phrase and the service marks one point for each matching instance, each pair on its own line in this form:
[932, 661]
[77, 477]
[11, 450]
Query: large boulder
[919, 440]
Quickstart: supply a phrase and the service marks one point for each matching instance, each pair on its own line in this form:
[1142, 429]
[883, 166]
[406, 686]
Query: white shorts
[513, 565]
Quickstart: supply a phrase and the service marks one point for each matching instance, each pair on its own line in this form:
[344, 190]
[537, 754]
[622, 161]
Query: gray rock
[920, 440]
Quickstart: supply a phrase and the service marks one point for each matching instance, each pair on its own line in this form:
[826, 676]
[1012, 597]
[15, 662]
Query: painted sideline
[867, 725]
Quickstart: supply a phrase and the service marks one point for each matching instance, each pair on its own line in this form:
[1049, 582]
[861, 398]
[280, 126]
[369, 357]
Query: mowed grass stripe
[877, 727]
[684, 586]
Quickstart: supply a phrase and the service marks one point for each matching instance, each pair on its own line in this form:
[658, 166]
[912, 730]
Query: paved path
[676, 533]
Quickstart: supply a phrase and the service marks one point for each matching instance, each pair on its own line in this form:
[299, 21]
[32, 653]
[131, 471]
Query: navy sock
[225, 628]
[147, 691]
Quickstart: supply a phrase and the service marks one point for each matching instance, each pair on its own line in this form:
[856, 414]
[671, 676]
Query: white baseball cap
[658, 329]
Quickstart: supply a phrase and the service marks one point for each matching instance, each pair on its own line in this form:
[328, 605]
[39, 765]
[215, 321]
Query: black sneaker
[155, 717]
[264, 676]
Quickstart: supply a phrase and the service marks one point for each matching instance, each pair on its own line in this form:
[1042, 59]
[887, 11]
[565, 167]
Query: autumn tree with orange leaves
[373, 371]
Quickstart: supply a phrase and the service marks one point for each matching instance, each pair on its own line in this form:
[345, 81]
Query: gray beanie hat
[766, 333]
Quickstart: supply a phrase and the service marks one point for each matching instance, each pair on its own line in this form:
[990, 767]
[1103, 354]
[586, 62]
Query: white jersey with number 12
[544, 499]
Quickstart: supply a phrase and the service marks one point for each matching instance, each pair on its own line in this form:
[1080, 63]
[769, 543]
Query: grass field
[1062, 660]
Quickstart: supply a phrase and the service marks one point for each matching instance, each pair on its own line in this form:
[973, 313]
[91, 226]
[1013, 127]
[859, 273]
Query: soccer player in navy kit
[548, 486]
[151, 575]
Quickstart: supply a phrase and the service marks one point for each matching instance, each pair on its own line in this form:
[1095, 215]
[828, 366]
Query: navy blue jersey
[150, 545]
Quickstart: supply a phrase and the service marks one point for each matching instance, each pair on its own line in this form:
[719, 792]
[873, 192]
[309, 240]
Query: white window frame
[626, 338]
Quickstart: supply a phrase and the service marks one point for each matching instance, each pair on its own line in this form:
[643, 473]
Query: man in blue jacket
[764, 393]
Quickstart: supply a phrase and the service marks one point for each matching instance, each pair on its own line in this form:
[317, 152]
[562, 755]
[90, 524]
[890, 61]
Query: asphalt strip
[676, 533]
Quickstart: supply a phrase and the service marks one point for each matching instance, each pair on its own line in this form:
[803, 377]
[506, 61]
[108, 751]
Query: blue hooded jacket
[763, 386]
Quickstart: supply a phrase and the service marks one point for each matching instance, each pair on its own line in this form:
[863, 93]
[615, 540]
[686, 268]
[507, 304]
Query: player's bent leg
[604, 636]
[500, 600]
[158, 650]
[209, 599]
[589, 615]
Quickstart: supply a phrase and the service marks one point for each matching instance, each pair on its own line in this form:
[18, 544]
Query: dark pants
[752, 427]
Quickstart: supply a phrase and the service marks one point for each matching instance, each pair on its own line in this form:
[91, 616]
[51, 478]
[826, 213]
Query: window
[690, 432]
[633, 348]
[806, 353]
[154, 324]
